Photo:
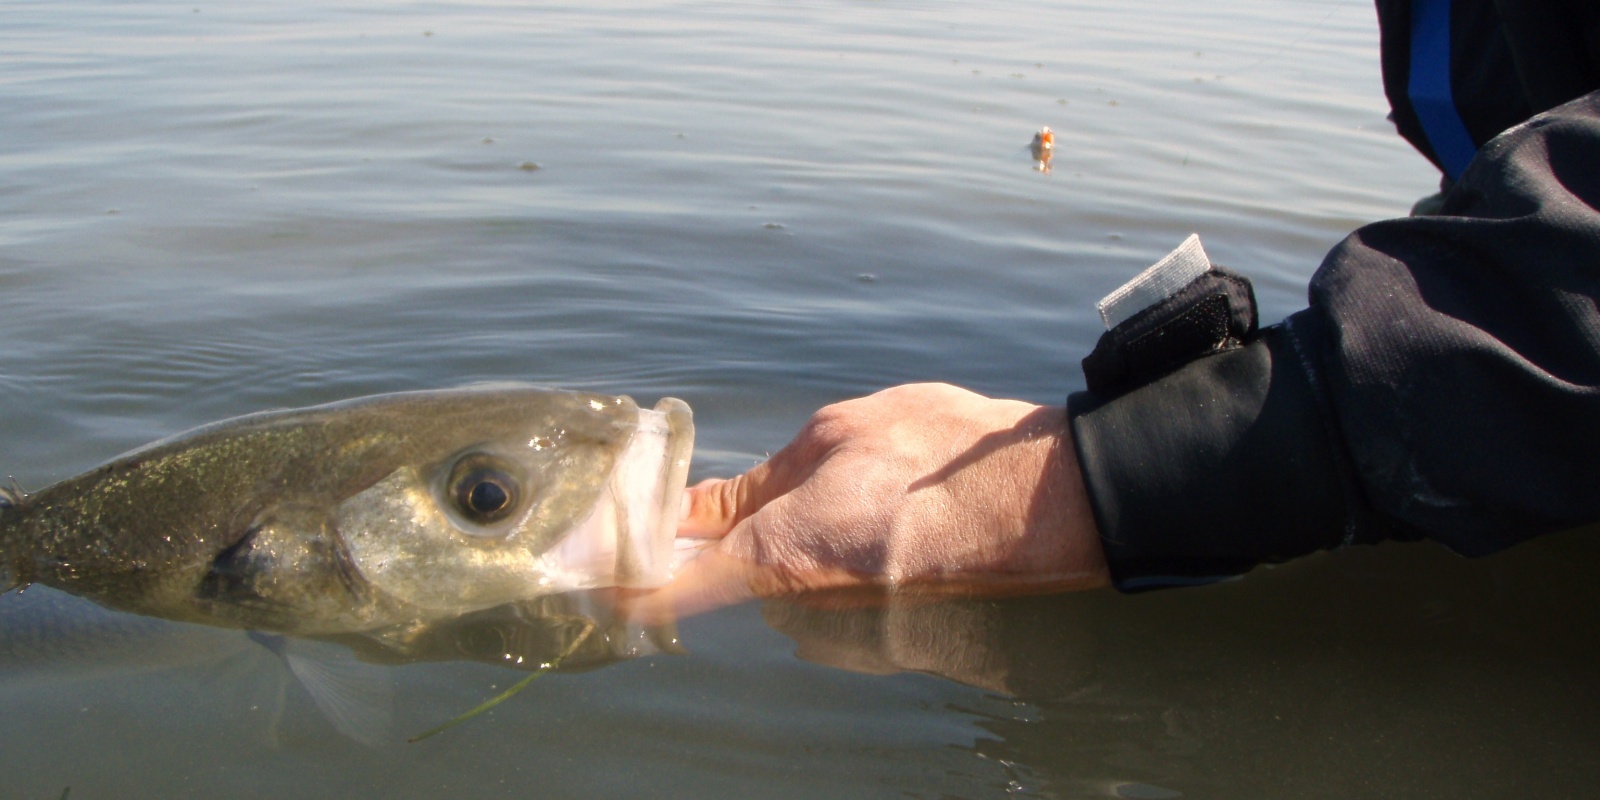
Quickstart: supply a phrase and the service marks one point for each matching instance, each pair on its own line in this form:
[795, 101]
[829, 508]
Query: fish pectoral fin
[355, 697]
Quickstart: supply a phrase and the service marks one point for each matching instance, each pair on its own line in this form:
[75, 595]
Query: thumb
[714, 506]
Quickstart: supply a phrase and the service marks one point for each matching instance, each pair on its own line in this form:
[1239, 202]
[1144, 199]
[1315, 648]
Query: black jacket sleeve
[1443, 383]
[1484, 65]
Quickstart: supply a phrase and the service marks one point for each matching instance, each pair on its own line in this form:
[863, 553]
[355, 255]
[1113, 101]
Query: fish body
[366, 513]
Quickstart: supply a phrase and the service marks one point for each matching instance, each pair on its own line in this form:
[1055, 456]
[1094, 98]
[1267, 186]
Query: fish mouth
[627, 541]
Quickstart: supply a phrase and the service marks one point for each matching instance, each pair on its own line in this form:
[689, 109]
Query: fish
[372, 513]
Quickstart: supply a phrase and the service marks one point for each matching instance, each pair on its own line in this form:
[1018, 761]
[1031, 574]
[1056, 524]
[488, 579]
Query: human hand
[924, 483]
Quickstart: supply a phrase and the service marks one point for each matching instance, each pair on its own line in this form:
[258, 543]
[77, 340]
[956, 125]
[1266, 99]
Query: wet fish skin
[355, 515]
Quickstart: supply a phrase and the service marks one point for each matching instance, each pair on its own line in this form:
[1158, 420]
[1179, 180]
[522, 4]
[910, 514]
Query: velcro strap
[1180, 309]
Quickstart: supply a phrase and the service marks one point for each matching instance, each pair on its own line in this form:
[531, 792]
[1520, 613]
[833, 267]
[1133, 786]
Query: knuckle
[831, 425]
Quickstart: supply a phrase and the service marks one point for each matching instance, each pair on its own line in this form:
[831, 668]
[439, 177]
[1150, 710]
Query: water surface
[211, 209]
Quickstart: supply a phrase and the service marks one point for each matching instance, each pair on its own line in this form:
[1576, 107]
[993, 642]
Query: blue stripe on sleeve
[1429, 86]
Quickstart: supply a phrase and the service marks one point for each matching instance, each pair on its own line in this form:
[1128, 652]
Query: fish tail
[10, 497]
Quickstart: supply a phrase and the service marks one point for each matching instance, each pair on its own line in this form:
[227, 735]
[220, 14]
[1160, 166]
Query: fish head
[429, 505]
[515, 496]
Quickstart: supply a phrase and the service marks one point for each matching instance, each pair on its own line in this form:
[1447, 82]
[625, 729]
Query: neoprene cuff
[1211, 469]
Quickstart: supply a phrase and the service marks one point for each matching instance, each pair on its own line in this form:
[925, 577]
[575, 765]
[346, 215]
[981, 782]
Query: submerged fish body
[367, 513]
[50, 641]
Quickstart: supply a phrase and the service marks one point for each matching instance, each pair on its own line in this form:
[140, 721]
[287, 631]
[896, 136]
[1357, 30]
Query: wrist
[1058, 535]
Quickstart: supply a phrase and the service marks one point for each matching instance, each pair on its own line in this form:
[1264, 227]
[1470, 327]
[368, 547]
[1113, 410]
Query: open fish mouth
[628, 540]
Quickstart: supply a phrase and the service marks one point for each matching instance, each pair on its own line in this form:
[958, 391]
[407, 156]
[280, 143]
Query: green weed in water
[507, 694]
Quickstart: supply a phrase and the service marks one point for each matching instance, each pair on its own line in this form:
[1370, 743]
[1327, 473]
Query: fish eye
[482, 493]
[485, 494]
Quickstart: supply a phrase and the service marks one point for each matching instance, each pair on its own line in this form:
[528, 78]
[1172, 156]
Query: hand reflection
[714, 579]
[954, 629]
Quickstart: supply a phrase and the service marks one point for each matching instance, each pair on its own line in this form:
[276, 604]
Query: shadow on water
[1400, 670]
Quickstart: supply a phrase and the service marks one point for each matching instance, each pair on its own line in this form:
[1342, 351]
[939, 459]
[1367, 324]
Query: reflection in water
[51, 639]
[570, 632]
[1398, 670]
[1392, 671]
